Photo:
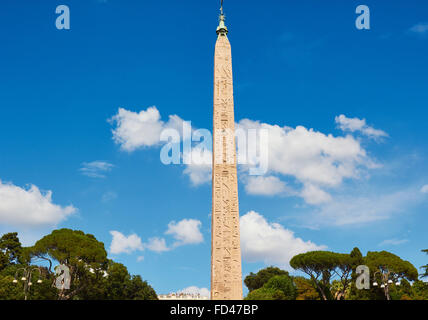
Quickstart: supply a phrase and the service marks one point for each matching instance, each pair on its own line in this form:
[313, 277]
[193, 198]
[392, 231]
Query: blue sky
[296, 65]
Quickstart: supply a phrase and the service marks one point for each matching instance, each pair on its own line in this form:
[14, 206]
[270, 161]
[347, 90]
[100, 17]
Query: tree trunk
[387, 293]
[319, 288]
[322, 292]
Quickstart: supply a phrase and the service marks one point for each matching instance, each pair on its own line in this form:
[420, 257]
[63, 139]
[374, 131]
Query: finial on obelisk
[222, 29]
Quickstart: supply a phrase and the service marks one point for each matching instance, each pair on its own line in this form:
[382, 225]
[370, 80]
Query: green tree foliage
[10, 248]
[258, 280]
[402, 292]
[357, 259]
[71, 247]
[425, 274]
[80, 252]
[305, 289]
[140, 290]
[93, 275]
[346, 275]
[117, 284]
[266, 294]
[386, 261]
[333, 274]
[270, 283]
[420, 290]
[385, 266]
[4, 261]
[18, 291]
[285, 284]
[338, 292]
[321, 266]
[118, 281]
[121, 285]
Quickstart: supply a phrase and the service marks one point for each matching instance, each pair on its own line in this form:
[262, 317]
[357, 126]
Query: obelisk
[226, 275]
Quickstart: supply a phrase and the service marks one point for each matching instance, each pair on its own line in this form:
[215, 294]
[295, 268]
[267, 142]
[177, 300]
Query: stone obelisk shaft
[226, 276]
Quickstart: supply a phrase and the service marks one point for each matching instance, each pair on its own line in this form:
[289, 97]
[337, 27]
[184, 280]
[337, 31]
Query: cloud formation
[359, 125]
[424, 189]
[270, 242]
[30, 207]
[125, 244]
[314, 194]
[352, 210]
[108, 196]
[313, 159]
[96, 169]
[157, 245]
[185, 232]
[420, 28]
[136, 130]
[393, 242]
[267, 186]
[199, 171]
[316, 163]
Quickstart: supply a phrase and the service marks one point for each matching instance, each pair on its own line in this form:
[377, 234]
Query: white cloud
[203, 292]
[157, 245]
[361, 209]
[350, 124]
[359, 125]
[420, 28]
[199, 167]
[312, 158]
[270, 242]
[30, 207]
[260, 185]
[125, 244]
[314, 195]
[137, 130]
[96, 169]
[185, 232]
[424, 189]
[393, 242]
[315, 160]
[108, 196]
[140, 258]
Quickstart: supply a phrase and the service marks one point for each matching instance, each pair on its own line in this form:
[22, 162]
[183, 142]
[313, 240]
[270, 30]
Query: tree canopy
[425, 274]
[256, 281]
[331, 275]
[81, 253]
[385, 261]
[279, 287]
[334, 274]
[71, 247]
[386, 266]
[305, 289]
[10, 247]
[93, 275]
[320, 267]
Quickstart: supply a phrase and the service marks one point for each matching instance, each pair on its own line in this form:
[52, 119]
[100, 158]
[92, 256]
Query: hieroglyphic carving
[226, 274]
